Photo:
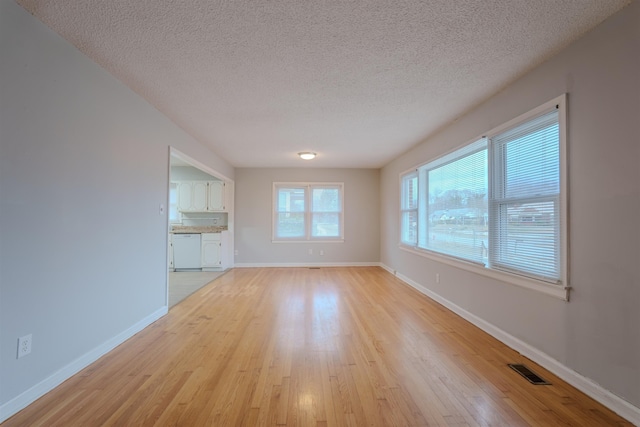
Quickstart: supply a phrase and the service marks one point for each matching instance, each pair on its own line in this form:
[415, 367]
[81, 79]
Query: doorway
[185, 171]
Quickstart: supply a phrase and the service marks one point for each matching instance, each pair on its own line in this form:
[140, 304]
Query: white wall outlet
[236, 252]
[321, 252]
[437, 277]
[310, 251]
[24, 345]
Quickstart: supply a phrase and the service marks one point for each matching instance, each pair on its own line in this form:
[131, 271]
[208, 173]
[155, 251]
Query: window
[409, 209]
[496, 203]
[454, 218]
[308, 211]
[525, 198]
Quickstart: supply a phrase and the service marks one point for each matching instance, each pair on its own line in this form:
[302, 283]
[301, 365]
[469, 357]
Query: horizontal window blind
[455, 212]
[524, 205]
[409, 209]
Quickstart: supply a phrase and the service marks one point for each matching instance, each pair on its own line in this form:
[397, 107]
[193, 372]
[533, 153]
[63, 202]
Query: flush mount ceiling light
[307, 155]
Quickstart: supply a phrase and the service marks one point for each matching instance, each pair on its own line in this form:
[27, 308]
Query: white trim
[582, 383]
[27, 397]
[304, 264]
[557, 291]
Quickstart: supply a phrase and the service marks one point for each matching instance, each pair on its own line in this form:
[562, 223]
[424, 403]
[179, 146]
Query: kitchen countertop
[196, 229]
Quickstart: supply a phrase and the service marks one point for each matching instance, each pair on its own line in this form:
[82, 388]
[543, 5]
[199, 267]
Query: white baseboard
[582, 383]
[29, 396]
[305, 264]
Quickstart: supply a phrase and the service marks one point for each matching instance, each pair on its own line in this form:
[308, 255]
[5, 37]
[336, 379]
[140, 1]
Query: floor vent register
[528, 374]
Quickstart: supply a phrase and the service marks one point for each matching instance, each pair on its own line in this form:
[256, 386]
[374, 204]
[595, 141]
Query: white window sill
[546, 288]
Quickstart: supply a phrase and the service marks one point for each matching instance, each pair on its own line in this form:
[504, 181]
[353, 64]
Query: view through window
[308, 211]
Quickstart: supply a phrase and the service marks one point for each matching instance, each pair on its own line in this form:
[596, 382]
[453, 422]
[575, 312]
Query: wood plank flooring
[311, 347]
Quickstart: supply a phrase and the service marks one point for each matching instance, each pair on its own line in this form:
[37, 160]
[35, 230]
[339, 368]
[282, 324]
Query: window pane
[410, 192]
[325, 225]
[532, 163]
[326, 200]
[458, 208]
[291, 200]
[290, 224]
[529, 240]
[410, 227]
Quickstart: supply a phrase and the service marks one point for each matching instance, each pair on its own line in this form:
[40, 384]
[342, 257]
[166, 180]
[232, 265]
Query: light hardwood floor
[311, 347]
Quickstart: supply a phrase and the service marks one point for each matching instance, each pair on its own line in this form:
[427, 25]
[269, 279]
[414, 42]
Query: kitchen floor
[184, 283]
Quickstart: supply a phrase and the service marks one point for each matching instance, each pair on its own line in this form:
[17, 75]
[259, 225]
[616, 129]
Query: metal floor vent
[528, 374]
[314, 268]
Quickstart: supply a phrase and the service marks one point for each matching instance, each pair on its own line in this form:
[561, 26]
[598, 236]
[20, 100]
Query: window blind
[525, 198]
[409, 209]
[455, 207]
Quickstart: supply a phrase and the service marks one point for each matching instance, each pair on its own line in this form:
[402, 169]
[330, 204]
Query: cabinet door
[211, 253]
[200, 196]
[185, 197]
[216, 196]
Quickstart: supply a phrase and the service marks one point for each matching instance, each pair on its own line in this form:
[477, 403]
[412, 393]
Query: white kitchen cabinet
[201, 196]
[214, 251]
[185, 196]
[211, 247]
[216, 196]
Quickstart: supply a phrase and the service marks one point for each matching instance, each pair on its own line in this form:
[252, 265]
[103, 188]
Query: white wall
[83, 170]
[188, 173]
[596, 334]
[253, 207]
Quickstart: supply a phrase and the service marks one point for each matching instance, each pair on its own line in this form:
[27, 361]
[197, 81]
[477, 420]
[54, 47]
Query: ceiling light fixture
[307, 155]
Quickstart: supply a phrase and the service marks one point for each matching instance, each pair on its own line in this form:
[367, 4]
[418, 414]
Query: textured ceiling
[359, 82]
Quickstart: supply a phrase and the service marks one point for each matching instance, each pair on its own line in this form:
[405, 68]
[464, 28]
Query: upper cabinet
[216, 196]
[201, 196]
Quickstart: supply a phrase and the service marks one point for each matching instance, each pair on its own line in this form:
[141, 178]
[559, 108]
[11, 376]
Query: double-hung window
[308, 212]
[409, 209]
[497, 203]
[525, 198]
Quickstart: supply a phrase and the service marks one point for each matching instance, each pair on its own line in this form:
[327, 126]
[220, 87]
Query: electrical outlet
[437, 277]
[321, 252]
[236, 252]
[24, 346]
[310, 251]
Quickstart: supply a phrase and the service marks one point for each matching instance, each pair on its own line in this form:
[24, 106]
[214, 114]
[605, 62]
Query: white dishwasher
[186, 252]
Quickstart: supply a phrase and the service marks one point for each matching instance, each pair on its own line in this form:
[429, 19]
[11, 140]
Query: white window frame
[405, 209]
[308, 212]
[558, 289]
